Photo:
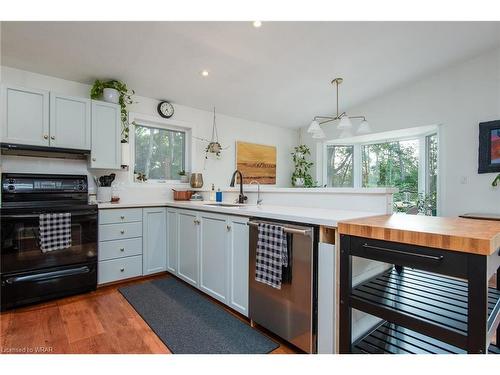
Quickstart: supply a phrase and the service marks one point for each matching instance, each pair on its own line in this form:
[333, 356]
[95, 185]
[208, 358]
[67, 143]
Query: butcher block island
[433, 296]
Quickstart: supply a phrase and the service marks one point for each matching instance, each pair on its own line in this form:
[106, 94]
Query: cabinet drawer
[120, 215]
[423, 258]
[109, 232]
[119, 269]
[120, 248]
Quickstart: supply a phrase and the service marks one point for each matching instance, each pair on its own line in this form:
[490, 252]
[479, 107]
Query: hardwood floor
[97, 322]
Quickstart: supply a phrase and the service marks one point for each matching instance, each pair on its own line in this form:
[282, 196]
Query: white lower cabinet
[132, 242]
[210, 251]
[238, 264]
[154, 238]
[188, 247]
[172, 238]
[214, 255]
[119, 269]
[207, 250]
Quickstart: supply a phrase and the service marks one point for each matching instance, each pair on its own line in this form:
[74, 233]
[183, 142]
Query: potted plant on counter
[183, 176]
[301, 176]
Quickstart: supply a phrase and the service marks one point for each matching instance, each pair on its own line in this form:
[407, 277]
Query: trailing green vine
[496, 181]
[124, 100]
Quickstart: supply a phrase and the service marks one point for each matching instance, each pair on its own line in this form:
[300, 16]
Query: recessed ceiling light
[257, 24]
[204, 73]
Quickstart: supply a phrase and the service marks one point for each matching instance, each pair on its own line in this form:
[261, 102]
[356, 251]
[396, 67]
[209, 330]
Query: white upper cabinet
[154, 237]
[25, 116]
[69, 122]
[106, 136]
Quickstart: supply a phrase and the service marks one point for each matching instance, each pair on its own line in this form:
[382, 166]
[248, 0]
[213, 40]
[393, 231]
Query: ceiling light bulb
[364, 128]
[344, 123]
[204, 73]
[320, 134]
[314, 127]
[257, 24]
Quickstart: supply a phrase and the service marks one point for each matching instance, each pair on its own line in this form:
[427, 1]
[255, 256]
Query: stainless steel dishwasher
[289, 312]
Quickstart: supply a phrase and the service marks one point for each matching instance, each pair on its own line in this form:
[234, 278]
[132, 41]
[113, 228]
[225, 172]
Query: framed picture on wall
[489, 147]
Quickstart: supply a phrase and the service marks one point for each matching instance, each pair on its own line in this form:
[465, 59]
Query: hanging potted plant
[301, 176]
[213, 145]
[115, 91]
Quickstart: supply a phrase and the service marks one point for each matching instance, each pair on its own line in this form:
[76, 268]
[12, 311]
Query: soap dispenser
[212, 194]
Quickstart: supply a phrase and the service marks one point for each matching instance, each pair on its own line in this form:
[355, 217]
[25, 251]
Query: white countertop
[307, 215]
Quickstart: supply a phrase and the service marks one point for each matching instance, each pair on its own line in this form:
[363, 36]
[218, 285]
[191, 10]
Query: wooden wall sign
[256, 162]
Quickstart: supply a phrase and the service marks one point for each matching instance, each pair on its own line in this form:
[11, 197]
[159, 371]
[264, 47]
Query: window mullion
[357, 165]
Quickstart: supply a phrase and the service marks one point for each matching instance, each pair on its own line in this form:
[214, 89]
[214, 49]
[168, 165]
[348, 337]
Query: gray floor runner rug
[189, 323]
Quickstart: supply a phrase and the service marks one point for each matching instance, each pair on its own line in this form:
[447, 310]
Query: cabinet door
[188, 246]
[154, 240]
[172, 240]
[238, 264]
[25, 117]
[106, 136]
[69, 122]
[214, 255]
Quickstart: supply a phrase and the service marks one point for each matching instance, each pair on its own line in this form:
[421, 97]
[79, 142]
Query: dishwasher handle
[291, 230]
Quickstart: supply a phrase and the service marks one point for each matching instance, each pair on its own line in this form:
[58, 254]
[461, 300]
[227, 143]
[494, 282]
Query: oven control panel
[37, 183]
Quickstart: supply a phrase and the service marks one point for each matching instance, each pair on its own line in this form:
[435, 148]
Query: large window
[340, 166]
[389, 160]
[160, 153]
[393, 164]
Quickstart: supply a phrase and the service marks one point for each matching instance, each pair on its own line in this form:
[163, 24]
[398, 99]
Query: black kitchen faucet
[241, 198]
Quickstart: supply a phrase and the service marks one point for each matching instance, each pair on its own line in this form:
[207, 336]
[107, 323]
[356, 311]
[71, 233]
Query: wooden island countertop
[449, 233]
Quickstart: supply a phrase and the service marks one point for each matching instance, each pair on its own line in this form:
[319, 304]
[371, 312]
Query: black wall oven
[33, 266]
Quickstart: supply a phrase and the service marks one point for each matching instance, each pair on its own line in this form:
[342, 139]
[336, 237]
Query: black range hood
[43, 151]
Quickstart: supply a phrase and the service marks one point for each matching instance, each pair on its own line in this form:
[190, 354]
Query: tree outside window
[159, 153]
[340, 166]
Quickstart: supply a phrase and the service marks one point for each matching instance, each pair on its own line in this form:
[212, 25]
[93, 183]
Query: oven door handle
[48, 275]
[27, 216]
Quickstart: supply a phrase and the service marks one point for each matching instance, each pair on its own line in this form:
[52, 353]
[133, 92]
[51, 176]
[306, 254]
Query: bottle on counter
[218, 196]
[212, 194]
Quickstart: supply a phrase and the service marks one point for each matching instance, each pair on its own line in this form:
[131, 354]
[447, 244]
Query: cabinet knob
[122, 269]
[228, 227]
[52, 137]
[122, 249]
[93, 159]
[122, 231]
[45, 136]
[196, 221]
[122, 217]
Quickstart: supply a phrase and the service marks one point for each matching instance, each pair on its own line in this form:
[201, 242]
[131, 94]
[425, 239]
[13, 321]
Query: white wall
[458, 98]
[219, 172]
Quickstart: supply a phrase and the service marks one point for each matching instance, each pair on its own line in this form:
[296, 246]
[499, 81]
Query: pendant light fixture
[344, 124]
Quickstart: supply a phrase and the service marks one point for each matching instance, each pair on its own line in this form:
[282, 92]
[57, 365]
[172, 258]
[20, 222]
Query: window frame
[172, 125]
[420, 133]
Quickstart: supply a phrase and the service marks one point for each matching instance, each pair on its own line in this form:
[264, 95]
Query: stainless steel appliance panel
[289, 312]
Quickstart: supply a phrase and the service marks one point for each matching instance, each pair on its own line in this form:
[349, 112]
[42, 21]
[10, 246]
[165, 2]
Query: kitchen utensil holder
[104, 194]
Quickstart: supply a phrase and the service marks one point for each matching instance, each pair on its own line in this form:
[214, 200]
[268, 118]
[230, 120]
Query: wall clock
[165, 109]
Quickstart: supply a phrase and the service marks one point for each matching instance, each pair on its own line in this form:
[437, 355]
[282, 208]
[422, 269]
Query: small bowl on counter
[182, 195]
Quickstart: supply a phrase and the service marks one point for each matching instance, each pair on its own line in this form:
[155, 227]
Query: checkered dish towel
[55, 231]
[271, 255]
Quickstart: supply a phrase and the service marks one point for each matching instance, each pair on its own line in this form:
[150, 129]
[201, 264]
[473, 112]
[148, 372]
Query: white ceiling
[278, 74]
